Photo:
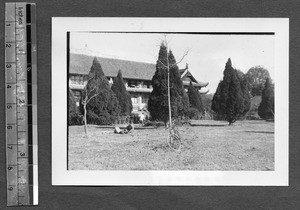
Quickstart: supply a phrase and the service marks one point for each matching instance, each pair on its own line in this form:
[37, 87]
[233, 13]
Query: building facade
[137, 77]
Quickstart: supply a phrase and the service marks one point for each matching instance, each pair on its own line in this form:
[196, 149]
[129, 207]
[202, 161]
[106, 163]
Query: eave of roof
[204, 92]
[199, 84]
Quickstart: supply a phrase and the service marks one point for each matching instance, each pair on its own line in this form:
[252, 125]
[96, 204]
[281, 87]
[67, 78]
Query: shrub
[102, 119]
[194, 114]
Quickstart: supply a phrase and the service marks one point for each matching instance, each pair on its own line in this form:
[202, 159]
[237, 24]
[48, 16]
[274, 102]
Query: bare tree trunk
[169, 93]
[86, 100]
[85, 123]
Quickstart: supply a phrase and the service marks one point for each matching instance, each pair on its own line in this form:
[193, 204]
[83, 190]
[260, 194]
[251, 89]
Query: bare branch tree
[87, 98]
[185, 54]
[168, 66]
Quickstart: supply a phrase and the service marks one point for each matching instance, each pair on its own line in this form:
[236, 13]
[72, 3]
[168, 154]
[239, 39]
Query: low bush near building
[194, 114]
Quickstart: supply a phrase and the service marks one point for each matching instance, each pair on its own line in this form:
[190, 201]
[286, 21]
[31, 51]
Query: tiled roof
[81, 64]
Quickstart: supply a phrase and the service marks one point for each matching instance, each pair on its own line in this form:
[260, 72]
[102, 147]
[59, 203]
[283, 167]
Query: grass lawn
[246, 145]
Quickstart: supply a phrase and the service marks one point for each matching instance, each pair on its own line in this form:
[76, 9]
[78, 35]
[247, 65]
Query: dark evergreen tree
[73, 113]
[195, 98]
[102, 104]
[228, 100]
[122, 94]
[245, 88]
[266, 107]
[218, 101]
[179, 98]
[158, 101]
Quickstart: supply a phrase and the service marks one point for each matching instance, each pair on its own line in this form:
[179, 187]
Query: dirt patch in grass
[246, 145]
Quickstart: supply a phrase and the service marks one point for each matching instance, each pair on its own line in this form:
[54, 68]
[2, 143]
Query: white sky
[207, 53]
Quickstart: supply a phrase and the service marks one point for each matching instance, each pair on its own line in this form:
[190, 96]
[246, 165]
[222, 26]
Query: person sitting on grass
[129, 128]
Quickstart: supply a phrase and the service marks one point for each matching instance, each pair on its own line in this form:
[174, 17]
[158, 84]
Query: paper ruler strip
[21, 104]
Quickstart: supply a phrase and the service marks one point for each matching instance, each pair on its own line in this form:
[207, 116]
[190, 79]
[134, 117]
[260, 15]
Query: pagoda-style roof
[185, 73]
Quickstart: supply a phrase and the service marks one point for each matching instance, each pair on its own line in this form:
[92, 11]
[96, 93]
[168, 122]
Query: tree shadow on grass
[267, 132]
[209, 125]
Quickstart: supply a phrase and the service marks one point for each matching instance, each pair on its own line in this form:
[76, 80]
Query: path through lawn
[247, 145]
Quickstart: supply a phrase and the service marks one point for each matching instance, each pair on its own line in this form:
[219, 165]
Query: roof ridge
[120, 59]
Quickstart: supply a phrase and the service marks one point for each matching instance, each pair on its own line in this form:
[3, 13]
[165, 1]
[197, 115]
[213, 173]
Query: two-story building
[137, 76]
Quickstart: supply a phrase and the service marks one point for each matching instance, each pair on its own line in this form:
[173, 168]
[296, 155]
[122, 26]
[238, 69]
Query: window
[143, 85]
[77, 93]
[135, 100]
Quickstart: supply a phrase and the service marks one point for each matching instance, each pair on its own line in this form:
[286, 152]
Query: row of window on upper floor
[134, 98]
[137, 100]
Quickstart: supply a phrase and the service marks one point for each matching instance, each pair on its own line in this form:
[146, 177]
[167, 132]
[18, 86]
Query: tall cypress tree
[158, 101]
[228, 100]
[103, 106]
[245, 88]
[122, 94]
[179, 96]
[266, 107]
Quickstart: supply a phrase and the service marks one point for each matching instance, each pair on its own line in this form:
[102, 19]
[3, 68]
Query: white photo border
[62, 176]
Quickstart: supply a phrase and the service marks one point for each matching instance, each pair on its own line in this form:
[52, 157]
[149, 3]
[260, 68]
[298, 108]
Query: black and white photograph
[142, 101]
[171, 101]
